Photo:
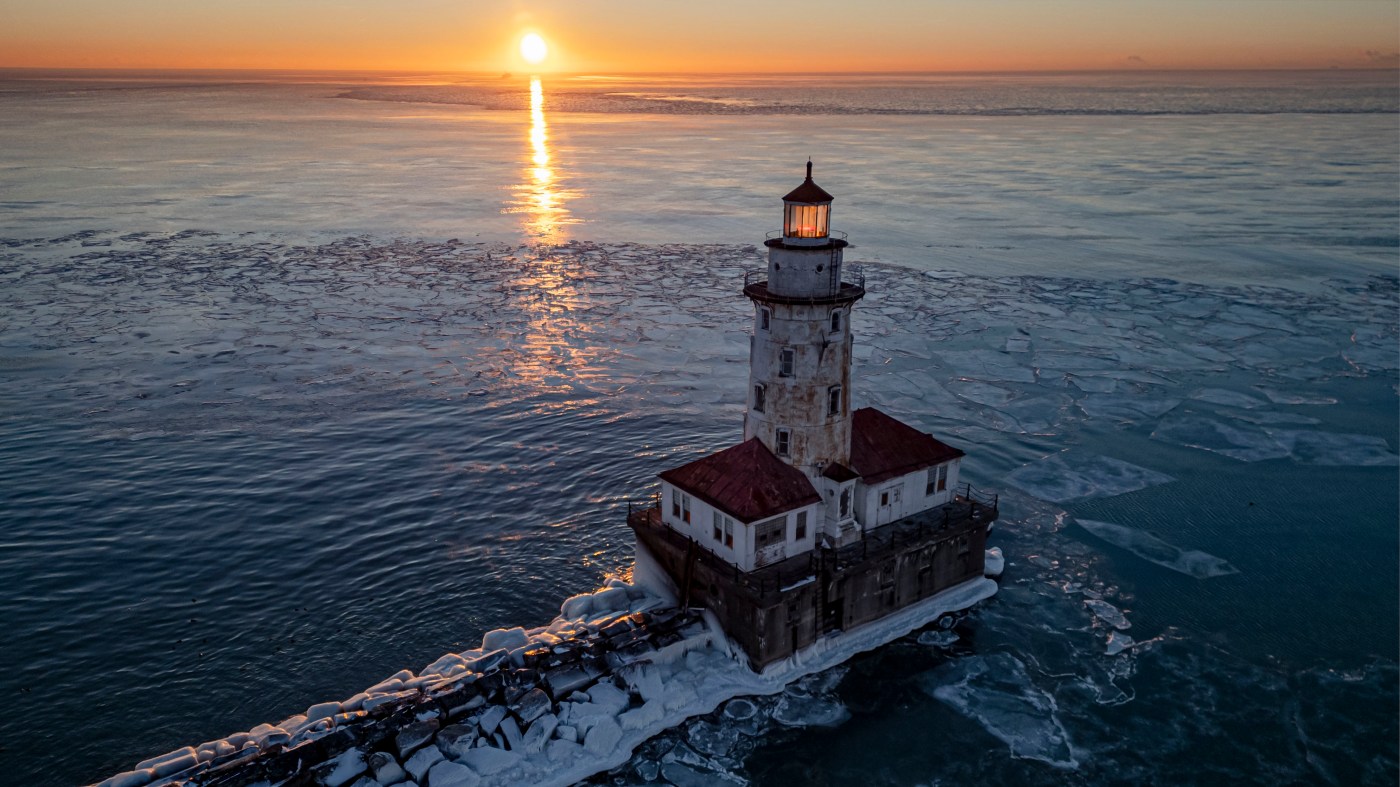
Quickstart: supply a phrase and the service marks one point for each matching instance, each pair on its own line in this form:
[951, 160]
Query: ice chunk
[1060, 478]
[1149, 547]
[1288, 397]
[1245, 443]
[1117, 643]
[643, 717]
[682, 775]
[539, 733]
[1107, 613]
[818, 711]
[938, 638]
[994, 562]
[996, 692]
[1126, 408]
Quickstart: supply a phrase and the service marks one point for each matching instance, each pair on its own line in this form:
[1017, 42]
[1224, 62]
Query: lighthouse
[825, 517]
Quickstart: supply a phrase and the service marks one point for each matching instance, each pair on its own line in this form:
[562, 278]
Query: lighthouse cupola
[807, 214]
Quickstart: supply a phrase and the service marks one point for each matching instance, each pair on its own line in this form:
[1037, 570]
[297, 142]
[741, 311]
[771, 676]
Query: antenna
[809, 167]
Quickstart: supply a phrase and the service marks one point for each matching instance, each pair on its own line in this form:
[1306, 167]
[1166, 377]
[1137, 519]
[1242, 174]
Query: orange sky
[716, 35]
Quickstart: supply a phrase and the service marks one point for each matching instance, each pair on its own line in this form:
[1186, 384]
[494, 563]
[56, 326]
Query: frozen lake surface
[298, 390]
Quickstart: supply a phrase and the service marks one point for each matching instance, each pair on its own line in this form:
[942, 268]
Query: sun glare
[533, 49]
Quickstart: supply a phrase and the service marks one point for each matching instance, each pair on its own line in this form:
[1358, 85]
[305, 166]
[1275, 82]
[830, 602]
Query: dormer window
[786, 360]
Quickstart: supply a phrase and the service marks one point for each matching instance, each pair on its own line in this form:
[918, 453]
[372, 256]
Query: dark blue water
[249, 472]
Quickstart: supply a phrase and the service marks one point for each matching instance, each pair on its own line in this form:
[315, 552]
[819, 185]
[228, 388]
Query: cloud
[1376, 58]
[1136, 60]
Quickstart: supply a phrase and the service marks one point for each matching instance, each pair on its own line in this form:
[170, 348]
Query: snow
[995, 563]
[451, 774]
[1149, 547]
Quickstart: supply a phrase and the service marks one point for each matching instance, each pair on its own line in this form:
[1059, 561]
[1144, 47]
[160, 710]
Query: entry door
[889, 505]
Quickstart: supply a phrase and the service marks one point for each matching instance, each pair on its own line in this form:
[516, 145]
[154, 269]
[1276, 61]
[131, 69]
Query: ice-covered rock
[609, 698]
[504, 639]
[539, 734]
[491, 719]
[422, 761]
[1149, 547]
[451, 774]
[343, 769]
[603, 737]
[384, 768]
[413, 736]
[488, 760]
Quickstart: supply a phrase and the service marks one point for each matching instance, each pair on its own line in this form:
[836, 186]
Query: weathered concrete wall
[821, 360]
[805, 273]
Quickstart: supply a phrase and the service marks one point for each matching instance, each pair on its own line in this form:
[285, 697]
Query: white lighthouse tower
[800, 357]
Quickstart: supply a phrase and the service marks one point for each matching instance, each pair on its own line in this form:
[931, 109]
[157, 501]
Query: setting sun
[533, 48]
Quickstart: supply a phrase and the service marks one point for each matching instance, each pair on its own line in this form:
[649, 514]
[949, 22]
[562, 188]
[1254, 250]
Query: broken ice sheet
[1059, 478]
[1126, 408]
[1149, 547]
[996, 691]
[1108, 613]
[1245, 443]
[1338, 450]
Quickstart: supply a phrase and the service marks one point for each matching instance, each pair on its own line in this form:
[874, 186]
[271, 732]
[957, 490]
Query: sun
[533, 49]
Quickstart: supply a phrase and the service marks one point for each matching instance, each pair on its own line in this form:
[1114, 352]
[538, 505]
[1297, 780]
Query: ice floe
[1060, 478]
[997, 692]
[1149, 547]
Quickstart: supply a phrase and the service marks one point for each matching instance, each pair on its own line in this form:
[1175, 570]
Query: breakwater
[549, 705]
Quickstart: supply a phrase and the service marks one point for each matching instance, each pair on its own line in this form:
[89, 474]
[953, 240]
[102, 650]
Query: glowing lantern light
[807, 213]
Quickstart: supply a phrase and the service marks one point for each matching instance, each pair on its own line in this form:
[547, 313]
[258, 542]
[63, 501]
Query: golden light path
[540, 198]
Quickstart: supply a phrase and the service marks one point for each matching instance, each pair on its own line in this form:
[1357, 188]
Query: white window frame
[787, 362]
[800, 529]
[782, 442]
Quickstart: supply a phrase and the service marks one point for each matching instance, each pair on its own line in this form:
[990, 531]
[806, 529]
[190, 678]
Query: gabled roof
[883, 447]
[839, 473]
[747, 482]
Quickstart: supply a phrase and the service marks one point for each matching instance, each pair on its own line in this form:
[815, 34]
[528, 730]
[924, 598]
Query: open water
[305, 379]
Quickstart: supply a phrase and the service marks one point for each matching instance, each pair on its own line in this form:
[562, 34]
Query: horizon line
[596, 72]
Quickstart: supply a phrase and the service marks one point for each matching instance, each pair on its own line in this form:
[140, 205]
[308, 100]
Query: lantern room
[807, 214]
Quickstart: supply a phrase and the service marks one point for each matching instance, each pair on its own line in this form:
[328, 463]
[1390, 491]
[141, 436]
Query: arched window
[835, 320]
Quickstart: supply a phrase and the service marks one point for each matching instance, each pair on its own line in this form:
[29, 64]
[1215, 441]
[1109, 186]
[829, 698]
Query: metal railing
[853, 275]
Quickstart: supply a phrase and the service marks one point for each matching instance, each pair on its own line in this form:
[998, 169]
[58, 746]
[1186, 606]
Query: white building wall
[907, 495]
[742, 553]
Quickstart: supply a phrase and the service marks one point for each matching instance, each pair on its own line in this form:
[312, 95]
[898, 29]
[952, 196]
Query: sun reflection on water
[540, 198]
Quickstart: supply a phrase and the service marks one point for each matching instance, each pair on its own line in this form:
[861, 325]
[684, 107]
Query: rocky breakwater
[545, 705]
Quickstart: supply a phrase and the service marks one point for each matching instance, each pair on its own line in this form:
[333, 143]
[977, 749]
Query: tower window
[786, 360]
[763, 317]
[759, 397]
[835, 320]
[833, 400]
[784, 442]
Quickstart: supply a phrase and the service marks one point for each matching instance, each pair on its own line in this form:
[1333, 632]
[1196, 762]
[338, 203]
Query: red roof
[747, 482]
[808, 191]
[883, 447]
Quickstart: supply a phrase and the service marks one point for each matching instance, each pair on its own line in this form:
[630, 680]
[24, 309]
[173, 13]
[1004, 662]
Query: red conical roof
[808, 191]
